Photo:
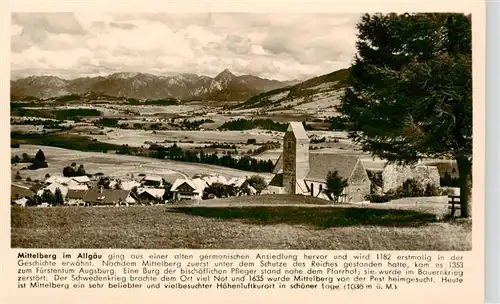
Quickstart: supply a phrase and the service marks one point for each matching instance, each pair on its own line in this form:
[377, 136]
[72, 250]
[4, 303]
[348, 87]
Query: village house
[53, 188]
[152, 181]
[214, 178]
[150, 194]
[298, 171]
[73, 183]
[108, 197]
[20, 195]
[188, 189]
[75, 198]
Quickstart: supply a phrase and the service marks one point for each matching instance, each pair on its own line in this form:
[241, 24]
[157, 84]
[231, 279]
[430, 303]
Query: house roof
[197, 184]
[81, 179]
[180, 181]
[215, 179]
[36, 187]
[75, 194]
[60, 180]
[152, 178]
[17, 191]
[78, 187]
[53, 187]
[153, 192]
[321, 163]
[128, 185]
[236, 181]
[298, 130]
[107, 196]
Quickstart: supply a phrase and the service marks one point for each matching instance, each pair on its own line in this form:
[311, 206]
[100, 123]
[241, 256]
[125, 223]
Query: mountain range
[224, 87]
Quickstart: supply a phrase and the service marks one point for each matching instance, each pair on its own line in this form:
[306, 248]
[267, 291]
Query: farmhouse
[188, 189]
[19, 195]
[53, 187]
[299, 172]
[150, 194]
[73, 183]
[152, 181]
[75, 197]
[108, 197]
[214, 178]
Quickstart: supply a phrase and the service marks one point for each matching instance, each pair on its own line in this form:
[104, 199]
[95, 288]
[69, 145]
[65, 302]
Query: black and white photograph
[241, 130]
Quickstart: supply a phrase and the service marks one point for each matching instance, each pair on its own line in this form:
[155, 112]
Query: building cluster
[192, 188]
[82, 191]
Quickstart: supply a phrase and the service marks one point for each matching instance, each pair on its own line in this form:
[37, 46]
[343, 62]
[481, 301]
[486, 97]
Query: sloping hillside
[315, 91]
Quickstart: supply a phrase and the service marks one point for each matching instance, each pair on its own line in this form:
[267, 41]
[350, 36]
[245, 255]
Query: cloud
[279, 46]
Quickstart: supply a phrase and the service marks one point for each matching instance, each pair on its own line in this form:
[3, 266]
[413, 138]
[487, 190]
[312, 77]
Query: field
[265, 222]
[117, 166]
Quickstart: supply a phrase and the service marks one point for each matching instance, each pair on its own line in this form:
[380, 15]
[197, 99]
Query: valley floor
[117, 166]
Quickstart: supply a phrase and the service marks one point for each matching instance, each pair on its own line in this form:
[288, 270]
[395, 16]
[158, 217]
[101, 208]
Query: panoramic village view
[241, 131]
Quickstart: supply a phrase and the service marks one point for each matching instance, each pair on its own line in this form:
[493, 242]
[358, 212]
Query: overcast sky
[277, 46]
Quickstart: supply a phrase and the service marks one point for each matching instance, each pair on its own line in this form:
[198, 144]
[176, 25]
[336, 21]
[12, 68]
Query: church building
[298, 171]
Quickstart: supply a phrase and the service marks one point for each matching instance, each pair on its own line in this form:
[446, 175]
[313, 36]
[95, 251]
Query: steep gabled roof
[278, 167]
[153, 192]
[321, 163]
[298, 130]
[277, 180]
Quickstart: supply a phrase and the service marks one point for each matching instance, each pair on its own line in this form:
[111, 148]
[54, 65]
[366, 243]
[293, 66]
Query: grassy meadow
[270, 222]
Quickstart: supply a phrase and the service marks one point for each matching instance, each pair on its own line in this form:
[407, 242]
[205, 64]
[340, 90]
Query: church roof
[321, 163]
[277, 180]
[298, 130]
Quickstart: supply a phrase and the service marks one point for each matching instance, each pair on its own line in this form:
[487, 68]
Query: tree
[168, 193]
[47, 197]
[80, 171]
[40, 156]
[219, 190]
[409, 92]
[26, 158]
[104, 181]
[335, 185]
[258, 182]
[58, 197]
[118, 184]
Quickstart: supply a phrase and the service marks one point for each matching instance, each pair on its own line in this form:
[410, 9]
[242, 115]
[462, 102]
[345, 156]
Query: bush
[251, 141]
[335, 184]
[410, 188]
[376, 198]
[37, 165]
[431, 190]
[257, 182]
[71, 171]
[14, 145]
[219, 190]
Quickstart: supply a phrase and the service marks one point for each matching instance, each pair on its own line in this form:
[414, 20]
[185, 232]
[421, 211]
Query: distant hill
[223, 87]
[319, 88]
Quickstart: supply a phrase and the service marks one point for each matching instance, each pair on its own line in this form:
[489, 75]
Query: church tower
[295, 156]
